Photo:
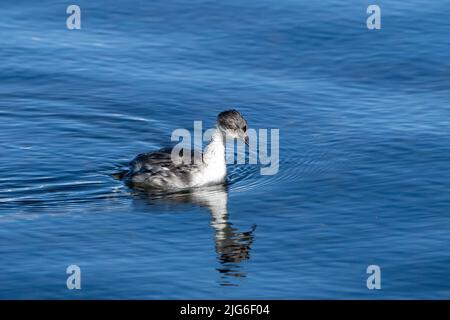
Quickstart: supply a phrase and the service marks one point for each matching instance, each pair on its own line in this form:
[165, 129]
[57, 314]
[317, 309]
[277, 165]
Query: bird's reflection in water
[232, 246]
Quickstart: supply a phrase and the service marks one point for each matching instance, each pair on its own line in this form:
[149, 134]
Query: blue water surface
[364, 174]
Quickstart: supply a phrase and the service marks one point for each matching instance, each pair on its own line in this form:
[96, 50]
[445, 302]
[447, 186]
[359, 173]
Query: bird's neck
[215, 151]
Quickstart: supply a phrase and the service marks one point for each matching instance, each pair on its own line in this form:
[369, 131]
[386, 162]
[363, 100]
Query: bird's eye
[244, 128]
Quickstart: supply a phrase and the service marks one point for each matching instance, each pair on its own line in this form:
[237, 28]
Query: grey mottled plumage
[157, 170]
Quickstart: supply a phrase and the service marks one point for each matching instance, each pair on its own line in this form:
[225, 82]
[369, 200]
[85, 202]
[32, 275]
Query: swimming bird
[157, 170]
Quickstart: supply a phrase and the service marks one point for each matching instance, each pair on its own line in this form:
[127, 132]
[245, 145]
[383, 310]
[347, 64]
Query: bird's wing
[158, 168]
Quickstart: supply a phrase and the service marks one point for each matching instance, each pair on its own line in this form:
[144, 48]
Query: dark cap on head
[232, 120]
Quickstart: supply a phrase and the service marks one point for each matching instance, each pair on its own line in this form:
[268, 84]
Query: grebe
[157, 169]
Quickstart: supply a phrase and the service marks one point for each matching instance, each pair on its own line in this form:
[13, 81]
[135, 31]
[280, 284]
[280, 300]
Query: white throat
[215, 150]
[214, 169]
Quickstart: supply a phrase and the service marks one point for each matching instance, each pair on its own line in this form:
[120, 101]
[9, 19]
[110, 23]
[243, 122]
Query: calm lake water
[364, 149]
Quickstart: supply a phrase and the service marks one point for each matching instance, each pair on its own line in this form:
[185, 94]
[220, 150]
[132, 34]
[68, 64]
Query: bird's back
[157, 170]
